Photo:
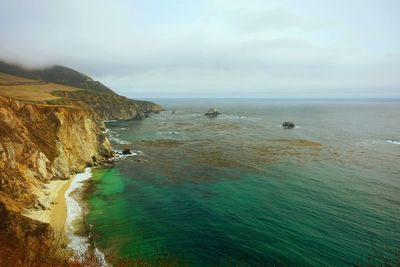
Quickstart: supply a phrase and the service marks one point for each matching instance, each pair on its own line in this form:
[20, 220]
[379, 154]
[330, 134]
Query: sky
[213, 48]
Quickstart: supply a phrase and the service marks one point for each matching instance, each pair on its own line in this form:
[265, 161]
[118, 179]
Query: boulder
[288, 125]
[212, 112]
[44, 203]
[126, 151]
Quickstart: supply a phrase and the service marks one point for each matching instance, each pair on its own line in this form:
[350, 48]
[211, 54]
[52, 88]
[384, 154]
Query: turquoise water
[239, 189]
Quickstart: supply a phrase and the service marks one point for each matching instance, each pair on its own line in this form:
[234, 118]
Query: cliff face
[50, 128]
[42, 142]
[101, 100]
[108, 106]
[19, 232]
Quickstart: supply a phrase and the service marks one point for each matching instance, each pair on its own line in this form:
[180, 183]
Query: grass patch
[29, 90]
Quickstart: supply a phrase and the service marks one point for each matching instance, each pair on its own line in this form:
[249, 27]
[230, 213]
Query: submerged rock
[212, 112]
[126, 151]
[107, 162]
[288, 125]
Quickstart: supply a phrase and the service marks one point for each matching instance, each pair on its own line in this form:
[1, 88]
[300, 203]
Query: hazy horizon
[213, 49]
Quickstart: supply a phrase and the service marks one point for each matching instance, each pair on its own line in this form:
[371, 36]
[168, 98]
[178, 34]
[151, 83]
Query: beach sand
[56, 212]
[62, 210]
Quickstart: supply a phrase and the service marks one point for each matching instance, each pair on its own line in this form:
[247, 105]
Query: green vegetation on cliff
[58, 85]
[56, 74]
[50, 128]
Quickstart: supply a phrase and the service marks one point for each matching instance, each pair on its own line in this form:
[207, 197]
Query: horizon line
[317, 98]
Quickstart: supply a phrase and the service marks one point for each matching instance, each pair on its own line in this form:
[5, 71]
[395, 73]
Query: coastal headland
[51, 128]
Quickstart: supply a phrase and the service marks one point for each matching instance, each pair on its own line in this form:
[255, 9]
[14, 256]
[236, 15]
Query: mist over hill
[56, 74]
[101, 100]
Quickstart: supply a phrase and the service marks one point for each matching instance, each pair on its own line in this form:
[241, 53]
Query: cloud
[213, 48]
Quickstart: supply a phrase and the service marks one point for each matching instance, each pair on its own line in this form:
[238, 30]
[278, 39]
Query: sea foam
[114, 137]
[79, 244]
[393, 142]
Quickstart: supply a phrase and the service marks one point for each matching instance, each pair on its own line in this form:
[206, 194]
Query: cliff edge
[65, 86]
[51, 127]
[39, 143]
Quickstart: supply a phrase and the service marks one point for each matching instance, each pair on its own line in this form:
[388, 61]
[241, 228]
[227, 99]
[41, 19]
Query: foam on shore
[115, 138]
[79, 244]
[393, 142]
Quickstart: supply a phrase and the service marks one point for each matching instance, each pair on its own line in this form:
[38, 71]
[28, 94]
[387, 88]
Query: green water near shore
[238, 189]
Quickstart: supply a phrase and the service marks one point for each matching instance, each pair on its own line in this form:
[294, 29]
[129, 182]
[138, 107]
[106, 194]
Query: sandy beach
[52, 196]
[62, 210]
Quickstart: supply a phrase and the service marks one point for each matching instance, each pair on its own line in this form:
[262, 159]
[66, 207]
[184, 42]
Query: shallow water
[240, 189]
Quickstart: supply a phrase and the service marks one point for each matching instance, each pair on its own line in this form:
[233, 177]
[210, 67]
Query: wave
[120, 155]
[280, 125]
[393, 142]
[233, 116]
[116, 139]
[79, 244]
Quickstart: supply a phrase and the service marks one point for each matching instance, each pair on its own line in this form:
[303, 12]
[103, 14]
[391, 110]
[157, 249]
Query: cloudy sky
[213, 48]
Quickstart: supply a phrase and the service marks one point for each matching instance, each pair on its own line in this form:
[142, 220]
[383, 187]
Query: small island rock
[126, 151]
[212, 112]
[288, 125]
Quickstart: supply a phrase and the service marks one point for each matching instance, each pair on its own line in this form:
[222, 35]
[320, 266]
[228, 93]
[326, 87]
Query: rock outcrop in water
[126, 151]
[288, 125]
[212, 112]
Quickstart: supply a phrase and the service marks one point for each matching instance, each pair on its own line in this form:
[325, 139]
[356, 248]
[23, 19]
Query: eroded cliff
[39, 143]
[107, 106]
[50, 128]
[65, 86]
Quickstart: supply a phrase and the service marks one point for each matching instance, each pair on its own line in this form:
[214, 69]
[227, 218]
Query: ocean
[238, 189]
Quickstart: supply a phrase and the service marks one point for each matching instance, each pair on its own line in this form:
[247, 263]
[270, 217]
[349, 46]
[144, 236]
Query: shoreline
[54, 211]
[75, 219]
[62, 208]
[61, 204]
[75, 213]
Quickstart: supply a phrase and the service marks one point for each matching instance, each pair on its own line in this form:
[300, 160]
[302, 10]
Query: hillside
[56, 74]
[50, 129]
[40, 143]
[30, 90]
[59, 85]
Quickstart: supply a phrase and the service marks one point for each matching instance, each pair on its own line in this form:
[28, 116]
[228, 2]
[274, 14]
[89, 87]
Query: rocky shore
[42, 146]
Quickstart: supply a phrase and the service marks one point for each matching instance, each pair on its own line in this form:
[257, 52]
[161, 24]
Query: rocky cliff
[40, 142]
[50, 128]
[107, 106]
[101, 100]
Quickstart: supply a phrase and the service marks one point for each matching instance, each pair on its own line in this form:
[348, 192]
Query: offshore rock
[126, 151]
[288, 125]
[212, 112]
